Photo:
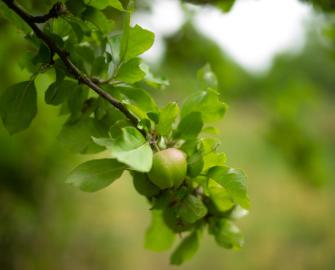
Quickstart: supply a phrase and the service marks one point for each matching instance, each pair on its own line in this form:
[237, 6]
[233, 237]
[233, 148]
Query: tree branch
[57, 10]
[64, 56]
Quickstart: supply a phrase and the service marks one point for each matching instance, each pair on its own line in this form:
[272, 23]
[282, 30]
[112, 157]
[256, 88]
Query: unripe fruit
[169, 168]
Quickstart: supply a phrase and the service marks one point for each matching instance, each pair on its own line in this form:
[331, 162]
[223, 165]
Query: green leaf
[162, 201]
[143, 185]
[107, 113]
[130, 148]
[195, 164]
[58, 92]
[201, 181]
[96, 174]
[213, 159]
[114, 46]
[145, 124]
[18, 106]
[136, 96]
[211, 130]
[219, 195]
[207, 77]
[159, 236]
[190, 126]
[76, 101]
[153, 116]
[102, 4]
[76, 27]
[130, 72]
[191, 209]
[226, 5]
[116, 4]
[61, 28]
[99, 19]
[75, 7]
[186, 249]
[234, 181]
[84, 53]
[210, 155]
[226, 233]
[138, 113]
[99, 66]
[139, 41]
[55, 39]
[77, 136]
[43, 55]
[167, 117]
[121, 44]
[59, 72]
[25, 61]
[190, 147]
[206, 102]
[151, 79]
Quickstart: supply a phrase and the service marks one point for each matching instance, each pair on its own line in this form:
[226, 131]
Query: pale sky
[252, 33]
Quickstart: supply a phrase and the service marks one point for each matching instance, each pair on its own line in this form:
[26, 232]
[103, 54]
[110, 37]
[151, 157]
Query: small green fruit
[169, 168]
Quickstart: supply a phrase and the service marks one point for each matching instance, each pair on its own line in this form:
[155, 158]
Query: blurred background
[275, 62]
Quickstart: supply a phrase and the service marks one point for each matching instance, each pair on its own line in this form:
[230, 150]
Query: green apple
[169, 168]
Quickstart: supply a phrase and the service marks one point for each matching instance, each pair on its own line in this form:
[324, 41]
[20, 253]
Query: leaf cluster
[107, 52]
[212, 194]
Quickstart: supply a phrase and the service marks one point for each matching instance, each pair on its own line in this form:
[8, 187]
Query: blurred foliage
[325, 5]
[293, 98]
[180, 63]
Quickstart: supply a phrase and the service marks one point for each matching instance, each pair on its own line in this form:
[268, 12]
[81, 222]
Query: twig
[57, 10]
